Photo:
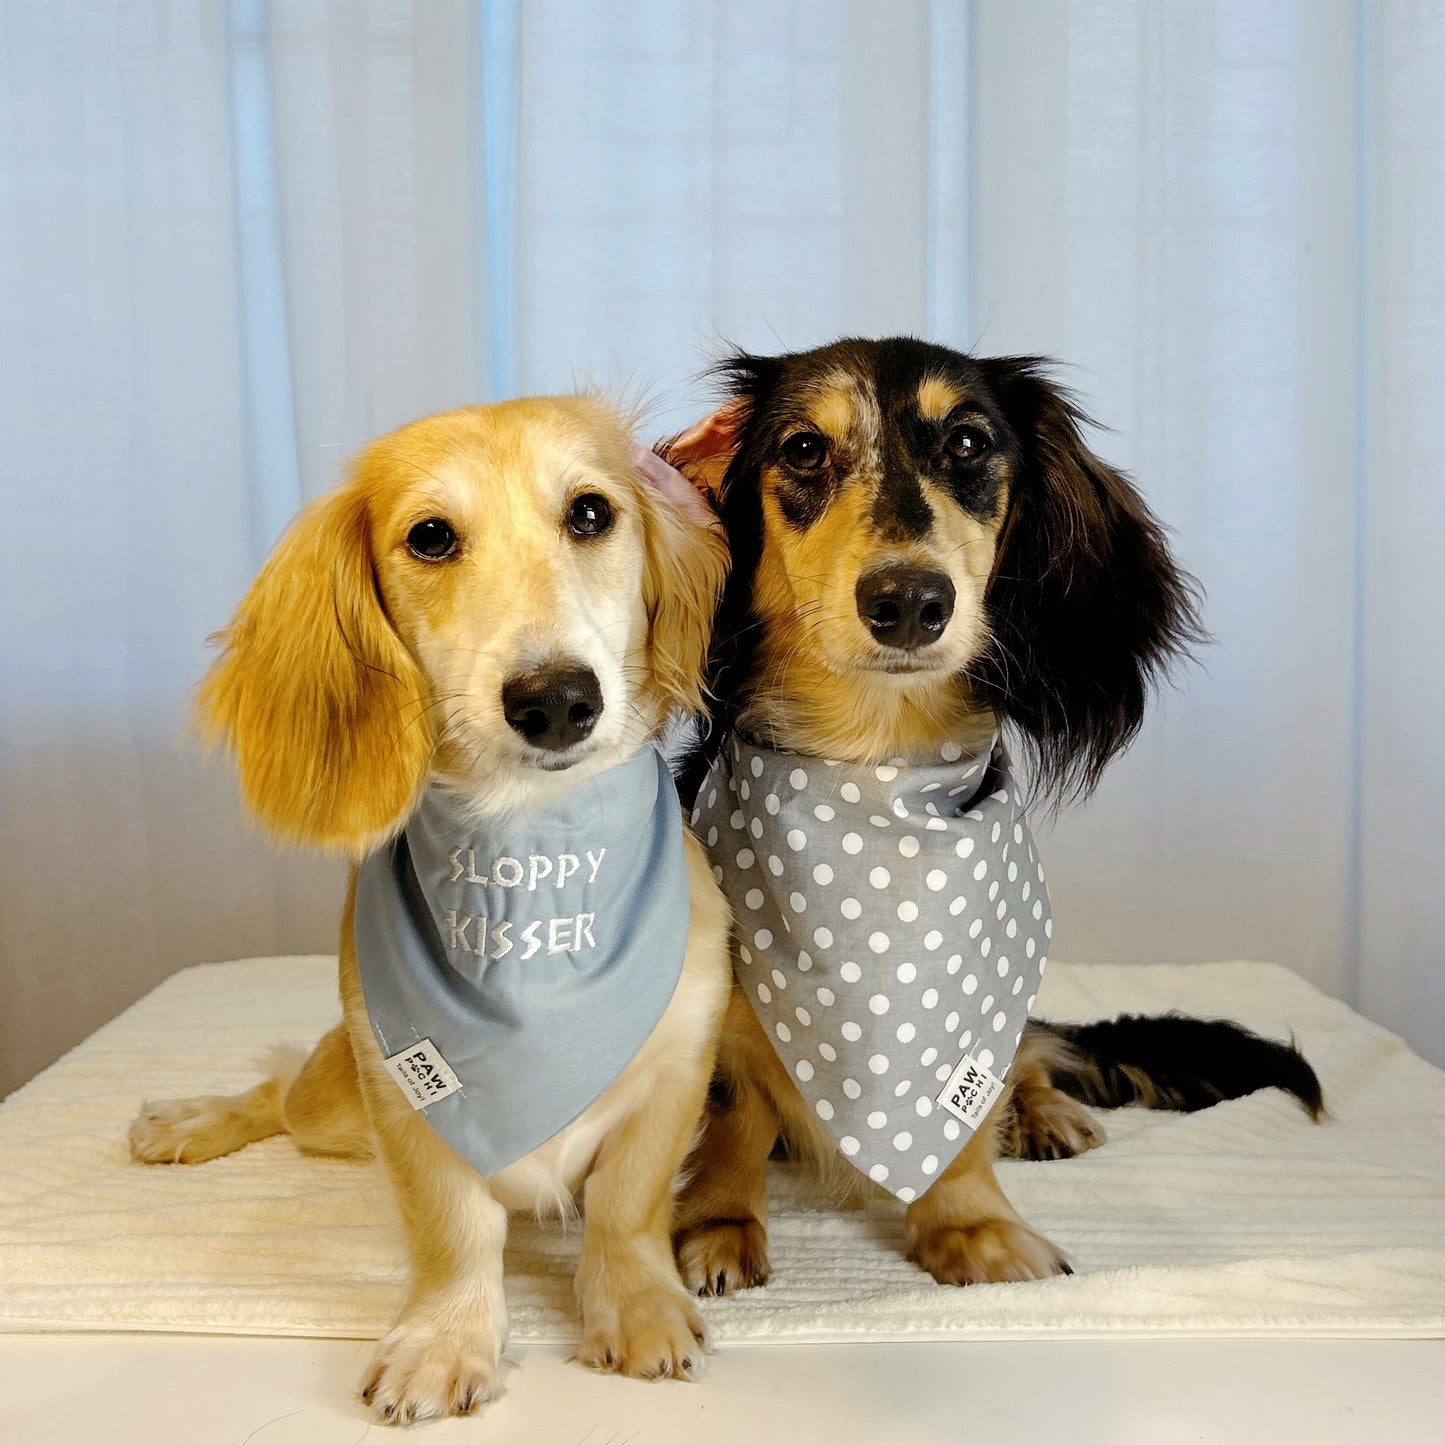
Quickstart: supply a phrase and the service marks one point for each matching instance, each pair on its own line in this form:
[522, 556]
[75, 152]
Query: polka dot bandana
[892, 927]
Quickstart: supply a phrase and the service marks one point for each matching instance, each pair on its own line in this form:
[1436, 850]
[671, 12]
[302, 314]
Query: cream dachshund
[453, 670]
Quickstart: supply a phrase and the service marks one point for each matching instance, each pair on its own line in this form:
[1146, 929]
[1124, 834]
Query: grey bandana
[512, 967]
[893, 925]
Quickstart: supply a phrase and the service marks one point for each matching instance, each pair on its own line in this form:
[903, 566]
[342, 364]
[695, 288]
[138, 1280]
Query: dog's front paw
[987, 1251]
[720, 1256]
[654, 1335]
[423, 1372]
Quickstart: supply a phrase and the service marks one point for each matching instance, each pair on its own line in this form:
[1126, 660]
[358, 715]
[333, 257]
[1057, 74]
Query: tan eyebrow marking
[834, 409]
[936, 398]
[842, 405]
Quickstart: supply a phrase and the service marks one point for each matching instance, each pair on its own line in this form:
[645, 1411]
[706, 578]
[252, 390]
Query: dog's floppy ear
[707, 453]
[684, 568]
[704, 451]
[1086, 606]
[314, 692]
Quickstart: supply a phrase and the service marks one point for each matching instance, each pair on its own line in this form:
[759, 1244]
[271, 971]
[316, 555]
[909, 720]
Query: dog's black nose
[905, 607]
[553, 707]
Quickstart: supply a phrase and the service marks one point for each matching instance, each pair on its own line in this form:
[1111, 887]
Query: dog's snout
[904, 606]
[553, 707]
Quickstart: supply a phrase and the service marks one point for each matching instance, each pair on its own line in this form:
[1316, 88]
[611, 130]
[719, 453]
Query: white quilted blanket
[1244, 1219]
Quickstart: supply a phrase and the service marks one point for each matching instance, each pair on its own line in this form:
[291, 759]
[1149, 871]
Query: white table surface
[196, 1390]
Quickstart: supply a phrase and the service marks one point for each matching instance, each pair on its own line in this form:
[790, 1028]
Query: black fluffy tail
[1173, 1062]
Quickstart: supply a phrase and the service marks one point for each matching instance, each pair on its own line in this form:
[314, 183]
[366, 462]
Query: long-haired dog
[494, 614]
[925, 550]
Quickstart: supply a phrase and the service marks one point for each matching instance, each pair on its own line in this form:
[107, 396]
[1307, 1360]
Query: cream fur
[353, 673]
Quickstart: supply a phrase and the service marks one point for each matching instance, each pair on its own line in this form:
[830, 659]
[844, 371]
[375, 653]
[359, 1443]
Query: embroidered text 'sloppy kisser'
[514, 965]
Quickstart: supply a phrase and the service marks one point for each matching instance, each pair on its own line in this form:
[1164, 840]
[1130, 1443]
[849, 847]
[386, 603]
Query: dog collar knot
[892, 927]
[514, 965]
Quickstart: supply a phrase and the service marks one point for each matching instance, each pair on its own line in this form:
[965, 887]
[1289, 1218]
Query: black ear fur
[1087, 608]
[747, 379]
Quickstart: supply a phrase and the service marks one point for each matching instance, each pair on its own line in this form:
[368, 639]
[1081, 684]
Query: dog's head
[497, 597]
[921, 536]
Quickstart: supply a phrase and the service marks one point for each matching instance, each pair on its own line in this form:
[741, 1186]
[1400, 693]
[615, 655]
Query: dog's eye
[432, 539]
[805, 451]
[966, 443]
[589, 515]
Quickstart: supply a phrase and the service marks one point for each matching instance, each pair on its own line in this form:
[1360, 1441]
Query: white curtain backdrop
[237, 240]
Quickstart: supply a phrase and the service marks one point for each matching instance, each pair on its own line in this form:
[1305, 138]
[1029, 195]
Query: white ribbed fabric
[1245, 1219]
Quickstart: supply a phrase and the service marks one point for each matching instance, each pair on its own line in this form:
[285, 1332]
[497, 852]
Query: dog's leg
[964, 1230]
[442, 1355]
[1045, 1123]
[191, 1131]
[320, 1107]
[1041, 1121]
[323, 1109]
[720, 1219]
[637, 1318]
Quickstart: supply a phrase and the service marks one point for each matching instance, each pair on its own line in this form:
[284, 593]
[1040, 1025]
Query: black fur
[902, 512]
[1174, 1062]
[1086, 609]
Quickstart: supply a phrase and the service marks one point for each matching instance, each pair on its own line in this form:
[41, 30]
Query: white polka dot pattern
[904, 904]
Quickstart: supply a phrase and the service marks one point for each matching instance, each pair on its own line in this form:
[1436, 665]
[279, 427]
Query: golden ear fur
[683, 573]
[685, 562]
[315, 694]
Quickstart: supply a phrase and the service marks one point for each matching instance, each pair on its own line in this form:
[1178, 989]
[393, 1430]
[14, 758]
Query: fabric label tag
[970, 1091]
[423, 1074]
